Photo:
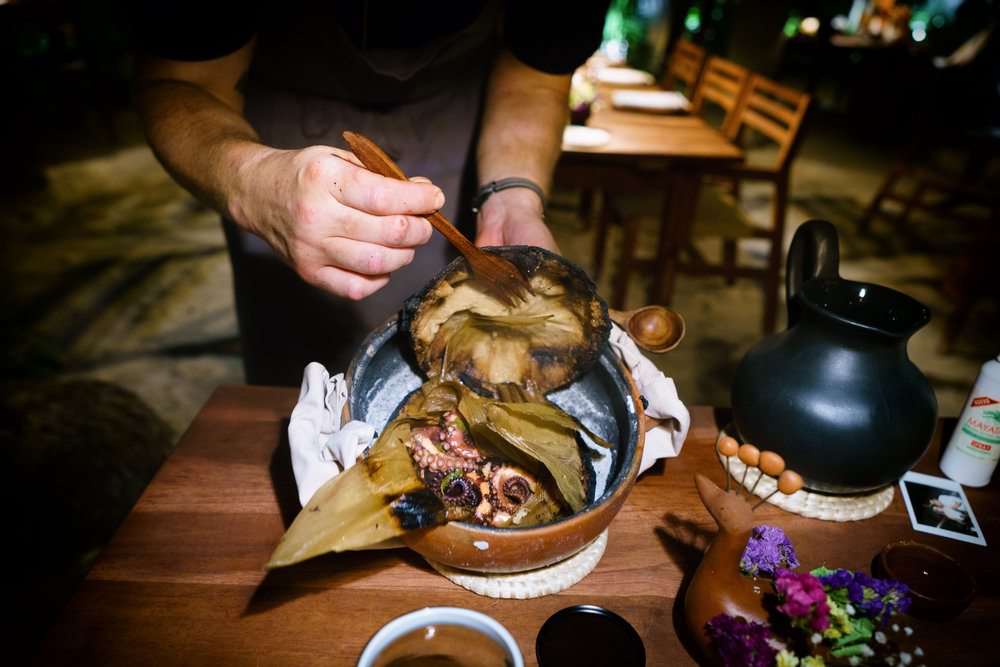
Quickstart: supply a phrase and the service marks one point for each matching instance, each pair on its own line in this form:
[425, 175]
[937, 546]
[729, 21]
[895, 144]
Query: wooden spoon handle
[619, 317]
[372, 156]
[377, 161]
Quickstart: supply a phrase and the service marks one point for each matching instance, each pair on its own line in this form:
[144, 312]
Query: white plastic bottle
[974, 448]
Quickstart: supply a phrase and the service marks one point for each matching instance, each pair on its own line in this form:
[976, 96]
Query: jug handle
[813, 253]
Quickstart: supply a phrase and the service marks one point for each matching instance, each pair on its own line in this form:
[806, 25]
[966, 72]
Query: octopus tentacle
[493, 491]
[512, 487]
[461, 490]
[427, 455]
[453, 438]
[458, 490]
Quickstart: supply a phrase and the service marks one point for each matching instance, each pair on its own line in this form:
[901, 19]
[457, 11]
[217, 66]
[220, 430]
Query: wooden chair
[776, 113]
[916, 182]
[683, 67]
[720, 87]
[948, 174]
[722, 83]
[971, 278]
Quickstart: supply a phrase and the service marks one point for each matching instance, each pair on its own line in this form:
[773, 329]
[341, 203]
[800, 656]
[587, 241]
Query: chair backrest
[683, 66]
[722, 83]
[776, 112]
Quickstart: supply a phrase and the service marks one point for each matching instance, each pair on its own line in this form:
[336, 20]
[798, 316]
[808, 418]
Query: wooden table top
[645, 152]
[682, 138]
[182, 581]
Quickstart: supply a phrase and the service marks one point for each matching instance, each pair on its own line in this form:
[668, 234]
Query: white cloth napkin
[322, 446]
[665, 439]
[653, 100]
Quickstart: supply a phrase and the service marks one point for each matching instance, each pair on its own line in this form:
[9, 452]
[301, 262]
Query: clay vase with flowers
[745, 605]
[718, 586]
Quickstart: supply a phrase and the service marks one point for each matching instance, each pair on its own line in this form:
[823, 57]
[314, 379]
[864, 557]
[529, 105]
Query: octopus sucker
[441, 460]
[443, 448]
[513, 487]
[484, 490]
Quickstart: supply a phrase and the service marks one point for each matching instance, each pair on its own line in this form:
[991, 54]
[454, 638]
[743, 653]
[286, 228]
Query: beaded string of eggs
[769, 463]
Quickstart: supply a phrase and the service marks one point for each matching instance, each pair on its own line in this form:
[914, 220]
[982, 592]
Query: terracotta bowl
[939, 586]
[605, 400]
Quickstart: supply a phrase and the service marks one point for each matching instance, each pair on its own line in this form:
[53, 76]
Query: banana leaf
[483, 351]
[382, 496]
[537, 432]
[466, 330]
[533, 435]
[379, 498]
[525, 428]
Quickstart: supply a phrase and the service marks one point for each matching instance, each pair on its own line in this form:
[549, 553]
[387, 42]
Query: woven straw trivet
[810, 504]
[813, 504]
[532, 583]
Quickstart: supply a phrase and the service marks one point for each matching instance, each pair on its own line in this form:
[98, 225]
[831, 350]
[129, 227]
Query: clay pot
[604, 399]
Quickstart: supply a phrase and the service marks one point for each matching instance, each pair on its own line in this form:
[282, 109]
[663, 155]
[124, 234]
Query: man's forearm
[523, 119]
[521, 137]
[203, 142]
[192, 112]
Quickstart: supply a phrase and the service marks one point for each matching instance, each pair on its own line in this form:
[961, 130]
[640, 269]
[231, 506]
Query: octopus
[473, 487]
[443, 447]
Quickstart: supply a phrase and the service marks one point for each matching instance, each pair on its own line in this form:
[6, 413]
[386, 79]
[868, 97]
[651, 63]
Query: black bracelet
[504, 184]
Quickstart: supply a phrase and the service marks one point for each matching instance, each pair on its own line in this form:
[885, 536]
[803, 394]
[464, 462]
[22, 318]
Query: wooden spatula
[499, 276]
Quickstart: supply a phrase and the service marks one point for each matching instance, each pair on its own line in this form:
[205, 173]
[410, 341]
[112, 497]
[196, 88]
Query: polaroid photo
[937, 505]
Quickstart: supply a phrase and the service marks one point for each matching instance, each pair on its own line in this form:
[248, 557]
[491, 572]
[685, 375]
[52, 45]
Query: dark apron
[421, 107]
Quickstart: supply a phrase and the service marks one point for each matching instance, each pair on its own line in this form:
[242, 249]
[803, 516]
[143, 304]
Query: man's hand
[341, 227]
[514, 217]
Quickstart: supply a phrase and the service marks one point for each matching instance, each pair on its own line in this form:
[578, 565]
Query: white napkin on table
[665, 439]
[322, 446]
[653, 100]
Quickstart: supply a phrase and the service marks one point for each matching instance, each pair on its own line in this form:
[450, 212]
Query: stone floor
[112, 273]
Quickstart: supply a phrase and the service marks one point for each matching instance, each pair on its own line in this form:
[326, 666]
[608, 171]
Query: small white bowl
[438, 616]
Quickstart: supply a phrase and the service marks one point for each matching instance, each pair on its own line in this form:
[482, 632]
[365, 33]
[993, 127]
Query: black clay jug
[835, 394]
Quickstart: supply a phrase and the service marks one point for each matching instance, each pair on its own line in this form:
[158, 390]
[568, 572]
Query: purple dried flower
[896, 598]
[855, 592]
[881, 586]
[878, 599]
[863, 579]
[768, 550]
[741, 643]
[837, 578]
[872, 607]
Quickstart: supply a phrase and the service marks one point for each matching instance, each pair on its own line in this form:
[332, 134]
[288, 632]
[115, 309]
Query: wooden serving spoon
[500, 277]
[654, 328]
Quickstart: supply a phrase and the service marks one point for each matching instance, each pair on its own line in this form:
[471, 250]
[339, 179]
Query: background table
[182, 581]
[650, 153]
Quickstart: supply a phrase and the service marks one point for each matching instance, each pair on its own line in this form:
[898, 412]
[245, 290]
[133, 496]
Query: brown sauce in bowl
[443, 646]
